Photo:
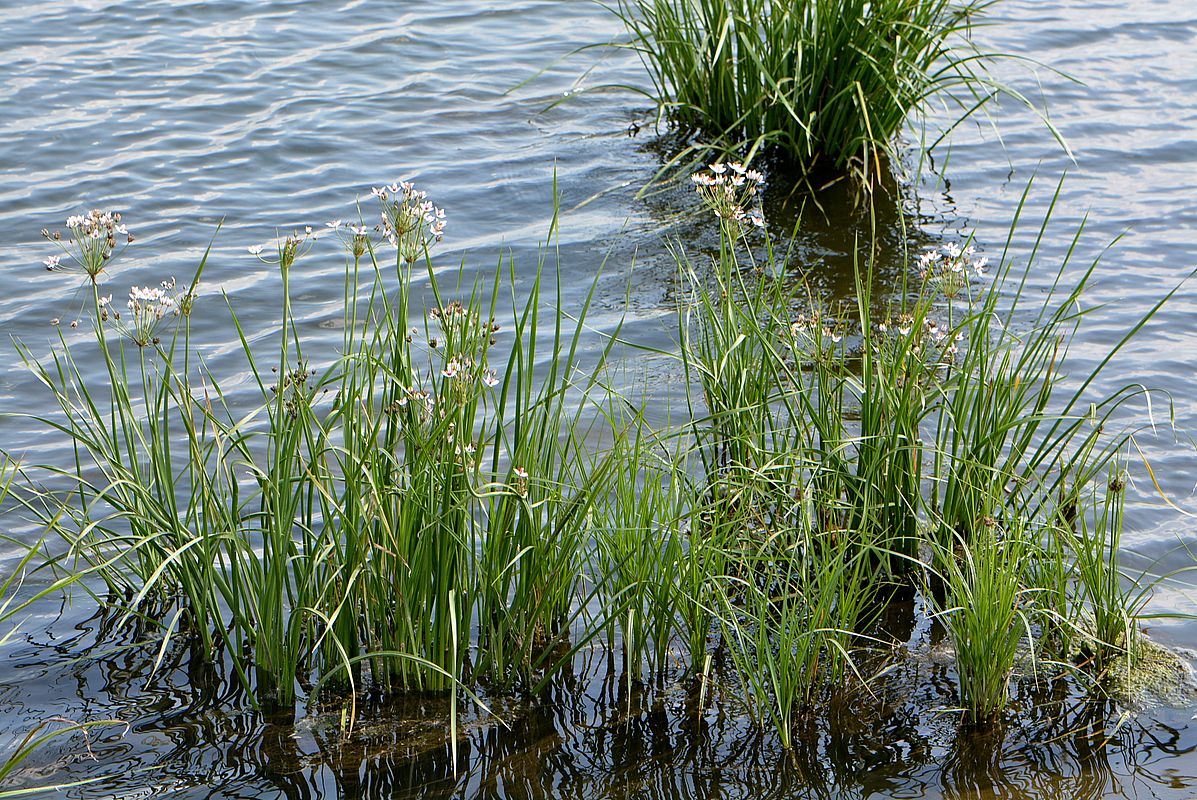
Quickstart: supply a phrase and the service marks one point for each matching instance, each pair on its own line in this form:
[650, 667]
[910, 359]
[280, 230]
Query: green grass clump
[902, 438]
[1092, 605]
[985, 585]
[373, 518]
[827, 83]
[450, 503]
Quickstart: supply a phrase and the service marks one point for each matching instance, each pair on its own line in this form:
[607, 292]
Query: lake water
[261, 116]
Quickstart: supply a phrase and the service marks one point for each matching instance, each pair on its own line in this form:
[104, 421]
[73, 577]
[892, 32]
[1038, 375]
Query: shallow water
[263, 116]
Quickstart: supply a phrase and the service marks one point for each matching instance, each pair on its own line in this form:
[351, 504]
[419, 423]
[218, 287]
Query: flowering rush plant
[410, 221]
[94, 239]
[730, 190]
[947, 267]
[149, 308]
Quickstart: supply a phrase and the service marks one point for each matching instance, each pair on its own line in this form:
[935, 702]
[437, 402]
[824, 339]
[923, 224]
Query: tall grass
[639, 543]
[452, 502]
[789, 620]
[983, 613]
[917, 430]
[361, 514]
[1092, 605]
[539, 527]
[828, 83]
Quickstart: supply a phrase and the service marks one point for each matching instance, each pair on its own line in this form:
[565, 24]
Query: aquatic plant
[1093, 604]
[356, 536]
[452, 502]
[983, 612]
[38, 736]
[640, 543]
[918, 433]
[828, 83]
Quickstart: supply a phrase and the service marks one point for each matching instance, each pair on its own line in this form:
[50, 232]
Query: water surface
[258, 117]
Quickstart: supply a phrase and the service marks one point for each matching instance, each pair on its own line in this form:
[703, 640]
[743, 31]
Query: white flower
[336, 223]
[52, 262]
[255, 249]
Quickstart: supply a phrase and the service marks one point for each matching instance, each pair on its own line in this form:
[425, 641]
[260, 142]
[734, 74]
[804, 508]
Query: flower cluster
[947, 268]
[815, 332]
[95, 239]
[728, 190]
[297, 393]
[520, 481]
[410, 221]
[148, 309]
[457, 376]
[356, 238]
[286, 250]
[928, 337]
[415, 397]
[903, 324]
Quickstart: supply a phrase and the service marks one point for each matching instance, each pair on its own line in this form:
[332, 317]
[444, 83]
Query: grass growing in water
[423, 513]
[985, 584]
[828, 83]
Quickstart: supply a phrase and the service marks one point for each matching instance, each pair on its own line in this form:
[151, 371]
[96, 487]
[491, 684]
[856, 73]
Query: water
[259, 117]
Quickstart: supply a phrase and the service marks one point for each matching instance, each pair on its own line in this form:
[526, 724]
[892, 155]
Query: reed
[539, 528]
[451, 501]
[1108, 602]
[391, 496]
[790, 622]
[827, 83]
[640, 543]
[985, 586]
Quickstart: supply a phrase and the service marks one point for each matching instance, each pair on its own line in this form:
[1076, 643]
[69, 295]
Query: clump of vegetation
[430, 509]
[826, 83]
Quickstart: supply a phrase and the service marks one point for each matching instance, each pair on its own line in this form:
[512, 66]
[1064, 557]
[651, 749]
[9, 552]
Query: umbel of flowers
[94, 239]
[729, 190]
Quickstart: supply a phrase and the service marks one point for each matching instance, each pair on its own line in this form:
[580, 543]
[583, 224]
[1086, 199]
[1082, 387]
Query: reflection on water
[590, 735]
